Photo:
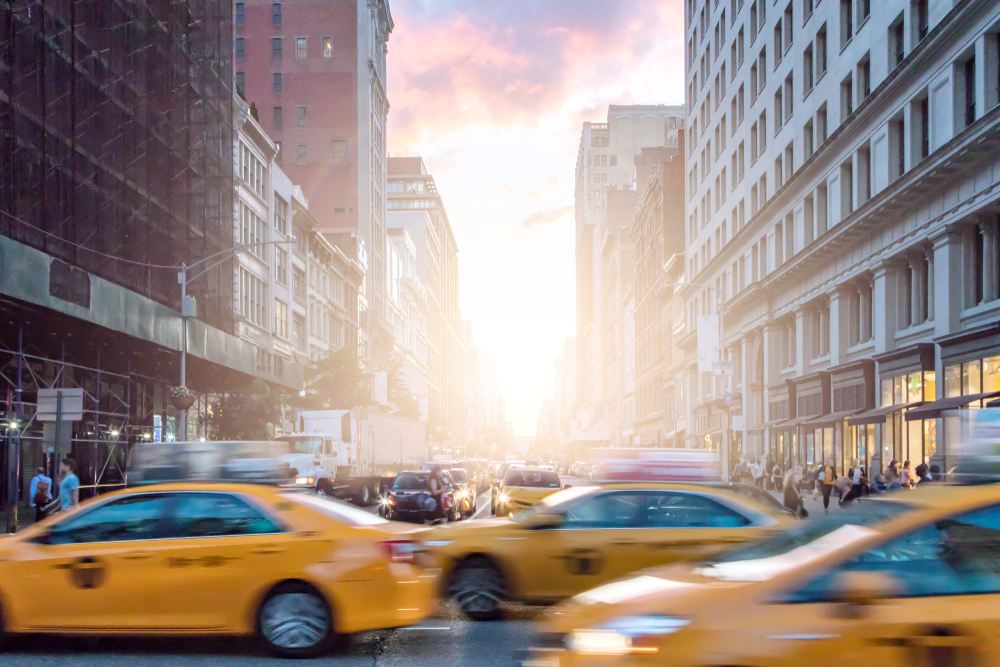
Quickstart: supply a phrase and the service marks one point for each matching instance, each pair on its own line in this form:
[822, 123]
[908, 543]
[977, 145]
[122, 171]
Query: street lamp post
[189, 305]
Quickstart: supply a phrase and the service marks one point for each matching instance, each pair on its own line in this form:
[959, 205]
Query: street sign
[727, 398]
[723, 368]
[70, 410]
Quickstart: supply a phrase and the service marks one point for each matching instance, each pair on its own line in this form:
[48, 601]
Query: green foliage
[402, 399]
[248, 413]
[337, 382]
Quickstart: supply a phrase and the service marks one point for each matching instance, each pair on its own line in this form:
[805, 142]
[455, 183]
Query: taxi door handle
[137, 555]
[269, 550]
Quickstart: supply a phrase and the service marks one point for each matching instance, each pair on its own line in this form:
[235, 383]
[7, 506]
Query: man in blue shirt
[69, 487]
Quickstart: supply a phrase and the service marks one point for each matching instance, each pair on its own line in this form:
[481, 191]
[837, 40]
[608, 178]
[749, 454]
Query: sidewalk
[814, 507]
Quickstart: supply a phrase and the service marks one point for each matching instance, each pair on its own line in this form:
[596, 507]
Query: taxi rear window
[336, 509]
[532, 479]
[459, 475]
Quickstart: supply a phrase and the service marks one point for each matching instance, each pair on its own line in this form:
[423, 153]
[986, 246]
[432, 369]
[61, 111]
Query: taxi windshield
[767, 556]
[459, 475]
[303, 445]
[336, 509]
[532, 479]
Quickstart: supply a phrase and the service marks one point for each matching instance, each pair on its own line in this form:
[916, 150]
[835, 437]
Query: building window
[328, 47]
[278, 155]
[275, 48]
[299, 283]
[821, 52]
[865, 10]
[240, 14]
[897, 43]
[300, 116]
[280, 215]
[807, 71]
[300, 154]
[846, 97]
[923, 19]
[278, 118]
[865, 77]
[821, 128]
[280, 319]
[239, 83]
[846, 23]
[276, 82]
[253, 298]
[338, 149]
[300, 48]
[239, 48]
[923, 132]
[970, 91]
[276, 14]
[251, 230]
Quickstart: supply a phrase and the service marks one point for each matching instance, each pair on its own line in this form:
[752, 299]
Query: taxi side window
[138, 517]
[956, 556]
[689, 510]
[217, 514]
[608, 510]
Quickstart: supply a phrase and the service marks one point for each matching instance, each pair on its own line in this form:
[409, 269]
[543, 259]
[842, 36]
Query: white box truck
[357, 453]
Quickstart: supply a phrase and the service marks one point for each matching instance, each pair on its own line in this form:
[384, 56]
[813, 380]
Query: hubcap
[477, 590]
[294, 620]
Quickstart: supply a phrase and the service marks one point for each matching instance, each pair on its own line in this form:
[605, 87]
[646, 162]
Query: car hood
[676, 590]
[466, 529]
[527, 495]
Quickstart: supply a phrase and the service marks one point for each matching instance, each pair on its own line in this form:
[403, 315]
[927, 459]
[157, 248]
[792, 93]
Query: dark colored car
[407, 498]
[466, 491]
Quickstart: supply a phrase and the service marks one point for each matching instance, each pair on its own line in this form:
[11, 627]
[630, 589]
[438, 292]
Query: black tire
[296, 621]
[478, 587]
[323, 488]
[365, 496]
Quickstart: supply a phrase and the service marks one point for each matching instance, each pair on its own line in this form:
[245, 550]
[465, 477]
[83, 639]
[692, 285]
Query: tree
[248, 413]
[337, 381]
[402, 399]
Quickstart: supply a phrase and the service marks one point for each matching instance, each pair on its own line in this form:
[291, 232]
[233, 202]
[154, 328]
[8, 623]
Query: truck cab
[315, 458]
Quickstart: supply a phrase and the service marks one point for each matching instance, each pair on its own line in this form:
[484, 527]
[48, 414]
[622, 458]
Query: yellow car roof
[260, 490]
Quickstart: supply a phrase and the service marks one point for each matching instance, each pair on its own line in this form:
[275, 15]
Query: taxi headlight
[304, 481]
[625, 635]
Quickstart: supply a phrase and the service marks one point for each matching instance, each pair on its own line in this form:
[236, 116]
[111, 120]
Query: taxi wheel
[295, 621]
[478, 587]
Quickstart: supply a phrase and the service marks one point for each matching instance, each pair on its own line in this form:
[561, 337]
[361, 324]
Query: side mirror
[863, 589]
[548, 521]
[567, 486]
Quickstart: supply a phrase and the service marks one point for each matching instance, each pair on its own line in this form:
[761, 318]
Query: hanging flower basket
[182, 398]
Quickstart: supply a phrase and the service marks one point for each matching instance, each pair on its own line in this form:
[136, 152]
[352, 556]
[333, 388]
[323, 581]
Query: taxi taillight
[400, 551]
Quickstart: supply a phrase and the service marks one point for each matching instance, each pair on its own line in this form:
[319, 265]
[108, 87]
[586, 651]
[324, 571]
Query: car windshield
[409, 481]
[459, 475]
[805, 542]
[305, 445]
[532, 479]
[337, 509]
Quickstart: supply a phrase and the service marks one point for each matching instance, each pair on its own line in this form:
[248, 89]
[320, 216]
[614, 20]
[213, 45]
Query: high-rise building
[116, 166]
[840, 207]
[416, 206]
[605, 164]
[315, 71]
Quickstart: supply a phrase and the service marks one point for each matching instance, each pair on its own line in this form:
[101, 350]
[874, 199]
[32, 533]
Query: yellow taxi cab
[585, 535]
[911, 579]
[297, 570]
[523, 487]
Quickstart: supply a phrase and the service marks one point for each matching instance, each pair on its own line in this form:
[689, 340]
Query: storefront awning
[760, 428]
[792, 423]
[934, 409]
[878, 415]
[830, 418]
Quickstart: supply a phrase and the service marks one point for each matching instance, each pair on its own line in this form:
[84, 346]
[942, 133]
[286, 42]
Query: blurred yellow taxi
[523, 487]
[295, 569]
[583, 536]
[909, 580]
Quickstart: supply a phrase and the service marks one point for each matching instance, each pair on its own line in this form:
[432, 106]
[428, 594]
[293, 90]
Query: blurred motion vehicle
[496, 488]
[523, 487]
[911, 578]
[295, 569]
[407, 499]
[583, 536]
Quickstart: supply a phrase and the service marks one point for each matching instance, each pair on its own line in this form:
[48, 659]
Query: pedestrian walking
[906, 476]
[40, 492]
[793, 496]
[891, 479]
[828, 480]
[758, 474]
[923, 474]
[69, 487]
[855, 485]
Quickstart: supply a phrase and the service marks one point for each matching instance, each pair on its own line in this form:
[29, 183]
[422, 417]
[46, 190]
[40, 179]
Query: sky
[493, 96]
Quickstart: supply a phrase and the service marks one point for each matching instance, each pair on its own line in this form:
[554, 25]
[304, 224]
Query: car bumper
[410, 596]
